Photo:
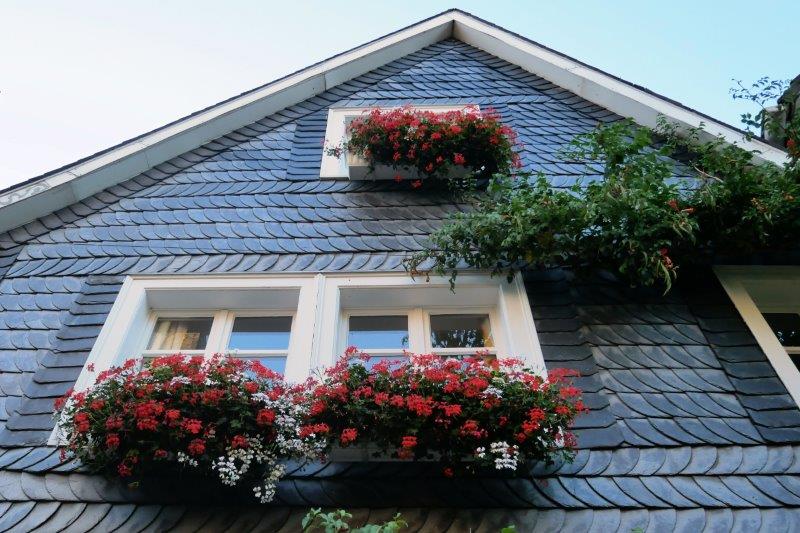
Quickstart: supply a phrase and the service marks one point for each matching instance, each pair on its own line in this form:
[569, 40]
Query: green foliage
[742, 206]
[627, 222]
[339, 521]
[639, 221]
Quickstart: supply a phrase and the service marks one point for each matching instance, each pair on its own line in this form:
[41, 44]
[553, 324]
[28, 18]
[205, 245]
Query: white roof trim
[596, 86]
[35, 198]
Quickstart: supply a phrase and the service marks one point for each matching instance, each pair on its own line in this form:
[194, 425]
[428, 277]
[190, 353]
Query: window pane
[260, 333]
[786, 327]
[366, 332]
[180, 333]
[276, 364]
[461, 331]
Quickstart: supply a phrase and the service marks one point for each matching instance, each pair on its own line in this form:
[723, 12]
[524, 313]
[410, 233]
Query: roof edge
[38, 196]
[606, 90]
[43, 194]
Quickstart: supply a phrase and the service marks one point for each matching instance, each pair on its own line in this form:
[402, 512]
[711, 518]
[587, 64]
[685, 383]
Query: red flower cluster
[447, 407]
[133, 422]
[348, 435]
[433, 143]
[179, 411]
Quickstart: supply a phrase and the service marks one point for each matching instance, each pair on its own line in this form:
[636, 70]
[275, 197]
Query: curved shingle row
[79, 517]
[371, 490]
[758, 460]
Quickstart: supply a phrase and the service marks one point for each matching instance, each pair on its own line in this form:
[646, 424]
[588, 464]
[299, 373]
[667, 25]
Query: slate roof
[689, 428]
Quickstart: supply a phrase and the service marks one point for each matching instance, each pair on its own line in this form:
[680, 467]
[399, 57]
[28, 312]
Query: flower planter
[497, 414]
[233, 424]
[413, 144]
[359, 169]
[370, 453]
[182, 417]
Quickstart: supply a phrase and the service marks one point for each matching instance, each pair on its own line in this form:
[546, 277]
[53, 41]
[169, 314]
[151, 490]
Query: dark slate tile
[65, 515]
[635, 489]
[746, 490]
[772, 487]
[15, 513]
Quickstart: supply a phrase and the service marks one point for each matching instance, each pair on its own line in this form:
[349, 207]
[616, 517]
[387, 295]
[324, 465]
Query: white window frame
[739, 282]
[510, 314]
[333, 167]
[317, 316]
[130, 322]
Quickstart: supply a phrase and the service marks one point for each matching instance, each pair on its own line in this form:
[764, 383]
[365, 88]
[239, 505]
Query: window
[388, 316]
[296, 323]
[262, 338]
[786, 327]
[390, 335]
[345, 167]
[459, 331]
[171, 334]
[248, 334]
[768, 299]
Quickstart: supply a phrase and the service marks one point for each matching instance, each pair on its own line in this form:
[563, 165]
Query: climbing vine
[666, 198]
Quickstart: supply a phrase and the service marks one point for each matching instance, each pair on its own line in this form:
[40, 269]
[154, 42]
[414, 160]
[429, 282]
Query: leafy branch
[666, 198]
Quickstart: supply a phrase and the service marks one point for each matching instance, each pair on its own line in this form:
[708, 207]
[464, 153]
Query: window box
[415, 143]
[359, 168]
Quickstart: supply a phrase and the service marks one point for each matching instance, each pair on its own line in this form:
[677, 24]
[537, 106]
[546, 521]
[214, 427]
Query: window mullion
[416, 331]
[216, 337]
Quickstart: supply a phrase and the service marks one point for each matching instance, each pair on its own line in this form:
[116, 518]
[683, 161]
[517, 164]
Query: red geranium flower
[193, 426]
[348, 435]
[239, 441]
[112, 441]
[265, 417]
[196, 447]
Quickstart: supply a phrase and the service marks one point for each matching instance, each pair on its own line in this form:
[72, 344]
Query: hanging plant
[426, 144]
[223, 418]
[497, 414]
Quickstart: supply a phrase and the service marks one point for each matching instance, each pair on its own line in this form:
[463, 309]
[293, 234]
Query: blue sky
[76, 77]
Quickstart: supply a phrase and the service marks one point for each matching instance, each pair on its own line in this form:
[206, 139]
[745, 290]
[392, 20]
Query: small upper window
[344, 167]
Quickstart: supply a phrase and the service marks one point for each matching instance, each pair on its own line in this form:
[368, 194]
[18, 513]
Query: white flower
[493, 391]
[506, 455]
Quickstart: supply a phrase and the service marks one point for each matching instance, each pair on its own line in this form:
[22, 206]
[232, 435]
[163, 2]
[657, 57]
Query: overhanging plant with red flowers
[497, 412]
[432, 143]
[221, 417]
